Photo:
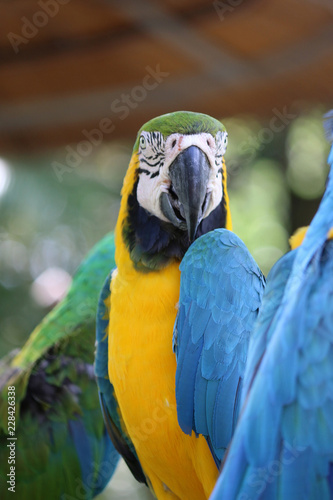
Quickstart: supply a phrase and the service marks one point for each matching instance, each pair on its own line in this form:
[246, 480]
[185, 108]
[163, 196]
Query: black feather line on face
[153, 243]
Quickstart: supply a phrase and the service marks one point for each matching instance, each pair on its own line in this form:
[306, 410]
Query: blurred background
[79, 77]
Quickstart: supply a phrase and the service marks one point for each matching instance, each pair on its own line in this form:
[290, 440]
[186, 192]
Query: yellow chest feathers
[142, 315]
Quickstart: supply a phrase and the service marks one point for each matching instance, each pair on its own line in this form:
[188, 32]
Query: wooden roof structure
[72, 65]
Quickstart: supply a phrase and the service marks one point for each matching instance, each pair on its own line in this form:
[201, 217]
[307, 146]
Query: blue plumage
[109, 405]
[220, 295]
[283, 445]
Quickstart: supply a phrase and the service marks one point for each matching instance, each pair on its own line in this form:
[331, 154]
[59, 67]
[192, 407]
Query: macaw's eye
[142, 142]
[225, 140]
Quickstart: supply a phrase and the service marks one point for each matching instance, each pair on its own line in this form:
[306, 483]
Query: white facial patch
[156, 154]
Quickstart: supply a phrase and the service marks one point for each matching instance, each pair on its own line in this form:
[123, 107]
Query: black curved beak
[185, 203]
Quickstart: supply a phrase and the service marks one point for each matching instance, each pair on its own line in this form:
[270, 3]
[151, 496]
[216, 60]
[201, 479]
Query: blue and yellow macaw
[174, 191]
[220, 296]
[62, 449]
[283, 444]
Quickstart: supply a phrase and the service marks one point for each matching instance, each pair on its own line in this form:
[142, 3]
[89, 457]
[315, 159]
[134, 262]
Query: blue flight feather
[82, 445]
[109, 405]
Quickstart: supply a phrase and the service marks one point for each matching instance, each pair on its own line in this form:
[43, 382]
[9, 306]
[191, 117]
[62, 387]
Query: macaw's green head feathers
[184, 122]
[177, 187]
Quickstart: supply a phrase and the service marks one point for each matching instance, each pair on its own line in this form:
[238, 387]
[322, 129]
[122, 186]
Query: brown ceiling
[221, 57]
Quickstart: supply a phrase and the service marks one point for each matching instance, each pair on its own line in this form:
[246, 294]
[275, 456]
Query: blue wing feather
[220, 294]
[276, 281]
[109, 405]
[286, 419]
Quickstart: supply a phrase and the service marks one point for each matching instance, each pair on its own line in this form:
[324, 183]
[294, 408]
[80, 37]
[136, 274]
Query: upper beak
[185, 203]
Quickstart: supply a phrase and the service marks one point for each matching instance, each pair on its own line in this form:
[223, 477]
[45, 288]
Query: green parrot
[53, 439]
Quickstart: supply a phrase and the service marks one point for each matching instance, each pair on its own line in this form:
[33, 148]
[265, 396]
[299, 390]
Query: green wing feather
[61, 439]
